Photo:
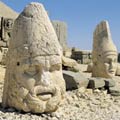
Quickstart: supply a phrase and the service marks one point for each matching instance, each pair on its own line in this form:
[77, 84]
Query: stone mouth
[43, 92]
[44, 95]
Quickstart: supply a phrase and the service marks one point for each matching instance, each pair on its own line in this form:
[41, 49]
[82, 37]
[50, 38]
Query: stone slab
[74, 80]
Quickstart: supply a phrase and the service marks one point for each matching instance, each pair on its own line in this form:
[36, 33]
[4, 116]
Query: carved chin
[43, 99]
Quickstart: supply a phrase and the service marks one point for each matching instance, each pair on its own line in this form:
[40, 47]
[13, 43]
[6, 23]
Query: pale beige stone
[89, 67]
[104, 52]
[61, 31]
[34, 80]
[68, 62]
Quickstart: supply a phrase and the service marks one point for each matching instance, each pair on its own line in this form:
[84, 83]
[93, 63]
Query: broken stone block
[74, 80]
[81, 56]
[115, 91]
[109, 83]
[68, 62]
[96, 83]
[118, 69]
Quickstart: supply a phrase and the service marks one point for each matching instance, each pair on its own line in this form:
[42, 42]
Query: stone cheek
[105, 66]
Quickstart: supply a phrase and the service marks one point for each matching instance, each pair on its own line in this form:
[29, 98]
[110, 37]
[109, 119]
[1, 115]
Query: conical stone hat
[33, 34]
[102, 41]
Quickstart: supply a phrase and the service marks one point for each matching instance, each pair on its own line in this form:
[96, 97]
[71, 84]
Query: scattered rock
[109, 83]
[68, 62]
[74, 80]
[95, 83]
[115, 91]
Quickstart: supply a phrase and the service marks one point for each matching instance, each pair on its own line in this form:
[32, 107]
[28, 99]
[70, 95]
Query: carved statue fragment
[104, 52]
[34, 80]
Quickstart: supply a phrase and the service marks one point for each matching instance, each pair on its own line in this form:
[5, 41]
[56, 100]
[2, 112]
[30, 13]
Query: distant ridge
[7, 12]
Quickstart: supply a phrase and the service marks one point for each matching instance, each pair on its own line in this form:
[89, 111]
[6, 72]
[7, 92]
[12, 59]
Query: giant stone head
[34, 80]
[104, 52]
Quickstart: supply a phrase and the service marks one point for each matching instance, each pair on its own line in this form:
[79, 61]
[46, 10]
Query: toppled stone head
[5, 33]
[104, 52]
[34, 80]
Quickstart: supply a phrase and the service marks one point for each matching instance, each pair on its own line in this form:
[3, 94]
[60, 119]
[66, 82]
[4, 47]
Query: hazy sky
[81, 17]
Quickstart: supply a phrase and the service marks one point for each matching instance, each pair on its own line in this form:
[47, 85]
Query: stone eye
[18, 63]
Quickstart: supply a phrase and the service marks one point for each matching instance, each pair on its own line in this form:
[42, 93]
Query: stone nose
[43, 78]
[112, 64]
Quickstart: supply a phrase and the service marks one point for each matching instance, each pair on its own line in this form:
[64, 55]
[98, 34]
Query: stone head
[104, 52]
[34, 67]
[8, 24]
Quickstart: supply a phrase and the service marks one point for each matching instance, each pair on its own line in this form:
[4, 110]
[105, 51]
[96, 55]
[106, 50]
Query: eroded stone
[74, 80]
[95, 83]
[104, 52]
[34, 80]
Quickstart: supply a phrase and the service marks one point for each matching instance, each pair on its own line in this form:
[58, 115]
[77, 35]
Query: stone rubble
[80, 104]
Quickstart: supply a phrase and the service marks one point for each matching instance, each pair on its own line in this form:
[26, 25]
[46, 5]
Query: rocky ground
[80, 104]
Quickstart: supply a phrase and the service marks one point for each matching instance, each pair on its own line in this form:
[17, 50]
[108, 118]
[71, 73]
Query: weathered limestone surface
[61, 31]
[115, 91]
[104, 52]
[97, 82]
[81, 56]
[74, 80]
[33, 80]
[68, 62]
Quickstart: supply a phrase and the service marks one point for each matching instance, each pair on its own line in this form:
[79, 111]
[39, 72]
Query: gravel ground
[80, 104]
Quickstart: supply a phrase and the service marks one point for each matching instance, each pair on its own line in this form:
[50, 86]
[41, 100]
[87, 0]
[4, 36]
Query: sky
[81, 17]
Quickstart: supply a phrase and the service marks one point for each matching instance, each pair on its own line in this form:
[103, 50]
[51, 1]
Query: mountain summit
[6, 11]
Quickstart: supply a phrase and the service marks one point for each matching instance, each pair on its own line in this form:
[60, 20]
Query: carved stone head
[6, 28]
[104, 52]
[34, 80]
[8, 24]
